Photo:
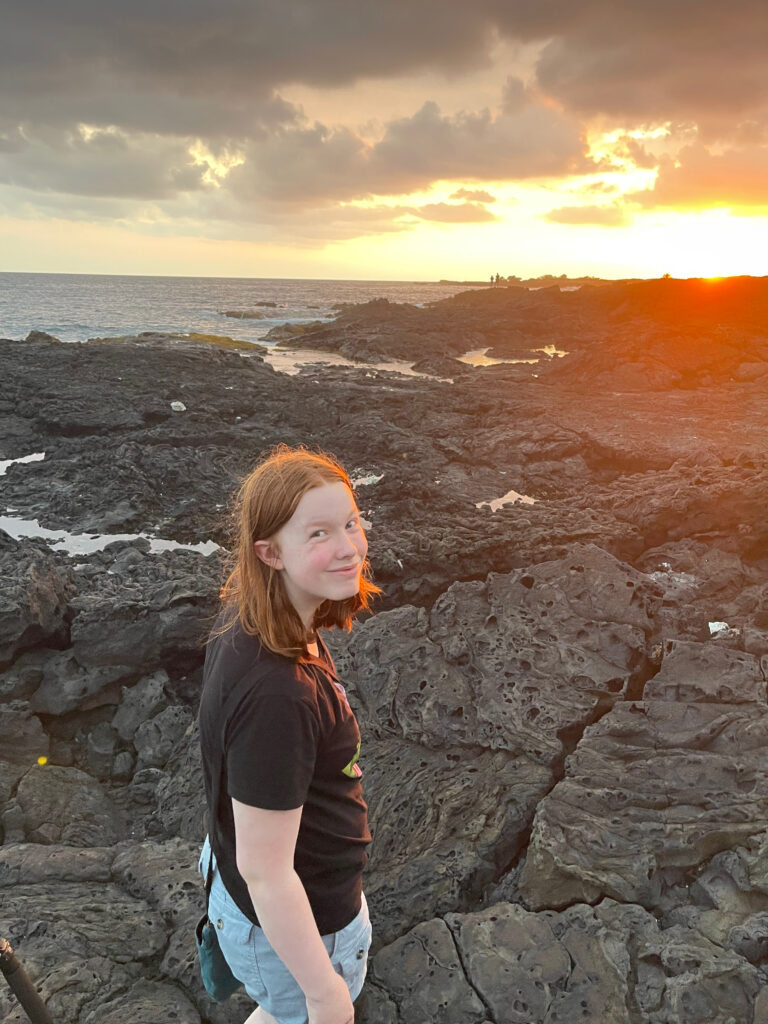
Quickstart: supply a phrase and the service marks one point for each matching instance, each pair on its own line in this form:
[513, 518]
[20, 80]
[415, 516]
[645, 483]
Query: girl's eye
[353, 522]
[318, 533]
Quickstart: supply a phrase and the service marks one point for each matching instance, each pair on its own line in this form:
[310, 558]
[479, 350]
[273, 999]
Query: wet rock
[61, 805]
[34, 336]
[478, 694]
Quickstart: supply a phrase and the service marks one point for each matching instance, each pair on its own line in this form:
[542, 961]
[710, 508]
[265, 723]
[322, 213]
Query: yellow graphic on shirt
[353, 768]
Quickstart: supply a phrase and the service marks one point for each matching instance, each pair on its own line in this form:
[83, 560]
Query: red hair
[254, 593]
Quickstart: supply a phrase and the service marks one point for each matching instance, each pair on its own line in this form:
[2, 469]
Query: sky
[392, 140]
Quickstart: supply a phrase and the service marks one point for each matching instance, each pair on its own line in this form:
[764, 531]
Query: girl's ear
[268, 553]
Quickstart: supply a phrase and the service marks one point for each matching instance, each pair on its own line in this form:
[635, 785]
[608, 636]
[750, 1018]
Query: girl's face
[321, 549]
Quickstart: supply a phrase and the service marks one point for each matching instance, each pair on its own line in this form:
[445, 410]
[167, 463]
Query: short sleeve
[271, 746]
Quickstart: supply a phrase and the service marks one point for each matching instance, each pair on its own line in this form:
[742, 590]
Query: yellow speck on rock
[42, 760]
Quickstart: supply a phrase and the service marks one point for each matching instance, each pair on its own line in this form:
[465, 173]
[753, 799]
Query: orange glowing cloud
[735, 178]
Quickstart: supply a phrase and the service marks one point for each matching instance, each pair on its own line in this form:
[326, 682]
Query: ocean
[75, 307]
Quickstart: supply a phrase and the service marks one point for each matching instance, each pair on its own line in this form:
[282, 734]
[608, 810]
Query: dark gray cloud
[297, 162]
[106, 164]
[305, 165]
[168, 72]
[534, 141]
[169, 62]
[649, 62]
[602, 216]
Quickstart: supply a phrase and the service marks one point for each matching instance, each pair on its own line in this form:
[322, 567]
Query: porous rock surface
[673, 780]
[611, 962]
[563, 704]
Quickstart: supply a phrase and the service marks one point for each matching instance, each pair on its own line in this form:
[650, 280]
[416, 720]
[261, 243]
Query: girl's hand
[334, 1007]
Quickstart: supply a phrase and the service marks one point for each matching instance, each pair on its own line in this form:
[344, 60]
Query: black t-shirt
[279, 734]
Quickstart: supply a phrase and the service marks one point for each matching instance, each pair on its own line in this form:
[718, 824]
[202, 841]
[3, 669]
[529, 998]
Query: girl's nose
[346, 546]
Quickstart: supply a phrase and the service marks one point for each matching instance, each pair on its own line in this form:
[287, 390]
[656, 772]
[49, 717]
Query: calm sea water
[75, 307]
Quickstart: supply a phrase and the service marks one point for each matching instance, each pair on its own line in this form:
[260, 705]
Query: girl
[288, 824]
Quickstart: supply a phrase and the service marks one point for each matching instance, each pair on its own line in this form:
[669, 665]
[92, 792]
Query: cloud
[604, 216]
[298, 162]
[97, 164]
[601, 187]
[473, 195]
[700, 178]
[170, 62]
[153, 83]
[656, 62]
[632, 149]
[203, 69]
[535, 141]
[316, 163]
[448, 213]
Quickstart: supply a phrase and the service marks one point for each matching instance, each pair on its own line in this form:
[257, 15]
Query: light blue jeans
[264, 975]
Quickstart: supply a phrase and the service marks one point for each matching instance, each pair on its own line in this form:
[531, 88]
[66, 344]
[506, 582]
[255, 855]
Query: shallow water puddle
[508, 499]
[477, 357]
[290, 361]
[5, 463]
[87, 543]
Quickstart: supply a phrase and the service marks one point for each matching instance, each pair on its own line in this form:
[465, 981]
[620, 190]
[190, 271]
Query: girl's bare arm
[265, 844]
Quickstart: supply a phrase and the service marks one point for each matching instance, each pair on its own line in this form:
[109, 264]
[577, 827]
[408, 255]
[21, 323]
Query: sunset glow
[456, 144]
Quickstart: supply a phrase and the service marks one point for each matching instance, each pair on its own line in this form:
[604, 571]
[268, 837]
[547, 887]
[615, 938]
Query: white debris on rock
[665, 575]
[722, 629]
[366, 481]
[178, 407]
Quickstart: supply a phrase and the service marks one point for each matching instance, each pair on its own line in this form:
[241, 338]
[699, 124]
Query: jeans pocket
[350, 955]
